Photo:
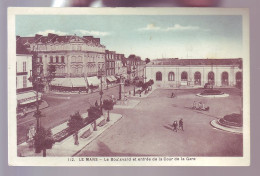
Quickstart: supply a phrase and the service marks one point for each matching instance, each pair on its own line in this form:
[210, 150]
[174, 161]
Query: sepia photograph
[128, 87]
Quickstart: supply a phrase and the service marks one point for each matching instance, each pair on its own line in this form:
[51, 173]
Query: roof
[54, 38]
[183, 62]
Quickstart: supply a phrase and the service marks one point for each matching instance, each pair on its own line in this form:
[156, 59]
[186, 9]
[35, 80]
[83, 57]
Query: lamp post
[134, 71]
[101, 88]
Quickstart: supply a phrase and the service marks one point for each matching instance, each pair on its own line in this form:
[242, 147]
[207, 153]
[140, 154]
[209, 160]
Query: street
[146, 130]
[61, 106]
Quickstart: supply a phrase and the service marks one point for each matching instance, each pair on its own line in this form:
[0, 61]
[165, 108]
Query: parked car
[208, 86]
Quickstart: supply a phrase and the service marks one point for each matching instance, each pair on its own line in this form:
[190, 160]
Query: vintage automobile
[208, 86]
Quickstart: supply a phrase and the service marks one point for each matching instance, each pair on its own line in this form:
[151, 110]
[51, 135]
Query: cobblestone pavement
[146, 130]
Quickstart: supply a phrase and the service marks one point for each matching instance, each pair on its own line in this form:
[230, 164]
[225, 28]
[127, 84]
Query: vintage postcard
[128, 87]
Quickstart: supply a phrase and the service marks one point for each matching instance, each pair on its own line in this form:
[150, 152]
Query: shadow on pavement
[167, 127]
[104, 150]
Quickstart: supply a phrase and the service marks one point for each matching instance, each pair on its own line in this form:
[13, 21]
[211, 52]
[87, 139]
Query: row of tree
[145, 85]
[43, 139]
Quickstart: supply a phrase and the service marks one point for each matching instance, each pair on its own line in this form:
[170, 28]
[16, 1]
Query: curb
[215, 124]
[97, 136]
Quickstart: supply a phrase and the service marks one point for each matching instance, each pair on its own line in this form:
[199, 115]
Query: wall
[204, 70]
[20, 58]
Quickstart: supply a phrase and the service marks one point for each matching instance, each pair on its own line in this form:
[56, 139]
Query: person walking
[175, 125]
[76, 138]
[173, 95]
[194, 105]
[181, 124]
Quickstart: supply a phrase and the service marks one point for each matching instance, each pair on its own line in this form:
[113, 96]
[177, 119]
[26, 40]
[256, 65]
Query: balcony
[56, 63]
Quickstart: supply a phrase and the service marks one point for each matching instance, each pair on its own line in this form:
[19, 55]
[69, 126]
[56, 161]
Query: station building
[176, 73]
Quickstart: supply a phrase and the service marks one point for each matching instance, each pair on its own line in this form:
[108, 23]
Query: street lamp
[36, 81]
[134, 71]
[101, 88]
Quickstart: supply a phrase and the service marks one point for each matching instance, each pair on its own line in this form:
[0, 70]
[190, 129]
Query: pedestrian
[173, 95]
[175, 125]
[181, 124]
[200, 105]
[76, 139]
[194, 105]
[96, 103]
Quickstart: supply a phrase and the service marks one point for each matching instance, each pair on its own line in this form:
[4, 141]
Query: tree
[75, 122]
[50, 74]
[150, 82]
[145, 86]
[94, 113]
[43, 140]
[147, 60]
[139, 84]
[108, 105]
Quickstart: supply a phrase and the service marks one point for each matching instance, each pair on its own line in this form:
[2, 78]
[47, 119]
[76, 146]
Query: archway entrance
[184, 78]
[197, 78]
[211, 78]
[224, 79]
[239, 79]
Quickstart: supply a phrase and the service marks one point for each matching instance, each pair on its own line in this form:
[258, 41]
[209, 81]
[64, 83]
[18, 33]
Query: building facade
[110, 62]
[72, 56]
[174, 73]
[23, 72]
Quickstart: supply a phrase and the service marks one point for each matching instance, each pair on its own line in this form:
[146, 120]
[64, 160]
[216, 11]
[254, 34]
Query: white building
[23, 69]
[173, 73]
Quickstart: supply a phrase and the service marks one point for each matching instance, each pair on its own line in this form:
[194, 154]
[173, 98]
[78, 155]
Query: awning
[57, 81]
[109, 79]
[114, 79]
[78, 82]
[28, 97]
[93, 81]
[67, 83]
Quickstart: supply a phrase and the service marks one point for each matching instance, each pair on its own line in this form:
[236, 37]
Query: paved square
[146, 130]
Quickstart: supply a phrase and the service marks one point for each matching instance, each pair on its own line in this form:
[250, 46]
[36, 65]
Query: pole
[120, 88]
[101, 92]
[37, 106]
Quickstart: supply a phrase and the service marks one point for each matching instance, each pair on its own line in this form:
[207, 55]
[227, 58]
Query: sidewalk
[83, 93]
[67, 147]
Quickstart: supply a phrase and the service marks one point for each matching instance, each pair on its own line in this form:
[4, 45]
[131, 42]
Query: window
[24, 81]
[51, 59]
[171, 76]
[158, 76]
[57, 59]
[24, 66]
[197, 78]
[62, 59]
[40, 59]
[184, 76]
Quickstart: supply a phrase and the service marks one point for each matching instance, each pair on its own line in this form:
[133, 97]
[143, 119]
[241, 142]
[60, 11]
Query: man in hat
[181, 124]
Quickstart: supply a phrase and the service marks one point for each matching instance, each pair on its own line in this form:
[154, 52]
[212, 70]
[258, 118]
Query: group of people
[199, 106]
[175, 125]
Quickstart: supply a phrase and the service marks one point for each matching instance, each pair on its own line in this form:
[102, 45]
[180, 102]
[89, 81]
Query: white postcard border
[13, 160]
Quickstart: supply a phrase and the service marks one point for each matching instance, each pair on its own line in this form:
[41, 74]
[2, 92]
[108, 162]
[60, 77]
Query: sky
[148, 36]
